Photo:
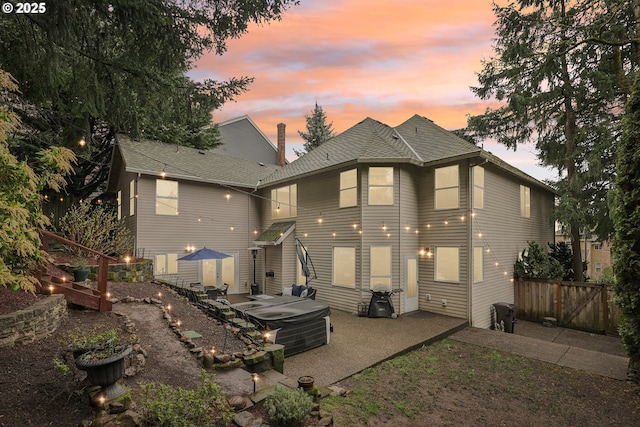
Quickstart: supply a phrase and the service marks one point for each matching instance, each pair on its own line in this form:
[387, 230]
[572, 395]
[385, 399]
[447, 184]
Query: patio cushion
[297, 290]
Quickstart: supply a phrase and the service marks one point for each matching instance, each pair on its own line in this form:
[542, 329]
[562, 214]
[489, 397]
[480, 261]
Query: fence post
[559, 303]
[604, 297]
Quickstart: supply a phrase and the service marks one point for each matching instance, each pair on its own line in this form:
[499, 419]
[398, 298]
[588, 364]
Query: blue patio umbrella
[204, 253]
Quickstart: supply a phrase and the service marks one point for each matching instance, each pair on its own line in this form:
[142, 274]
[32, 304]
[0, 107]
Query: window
[446, 191]
[478, 264]
[380, 267]
[344, 267]
[349, 188]
[596, 247]
[119, 201]
[381, 186]
[166, 197]
[478, 187]
[166, 264]
[598, 267]
[447, 264]
[284, 202]
[525, 202]
[132, 198]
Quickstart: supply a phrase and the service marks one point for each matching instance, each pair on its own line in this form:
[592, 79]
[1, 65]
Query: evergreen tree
[626, 217]
[318, 131]
[560, 72]
[92, 68]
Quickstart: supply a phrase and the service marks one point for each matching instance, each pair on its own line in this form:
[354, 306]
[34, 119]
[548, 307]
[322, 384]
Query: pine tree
[318, 131]
[626, 217]
[560, 72]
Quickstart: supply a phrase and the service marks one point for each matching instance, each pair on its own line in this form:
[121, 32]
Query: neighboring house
[412, 207]
[595, 253]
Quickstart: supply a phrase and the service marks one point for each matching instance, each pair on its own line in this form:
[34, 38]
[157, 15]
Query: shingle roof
[418, 141]
[151, 157]
[275, 234]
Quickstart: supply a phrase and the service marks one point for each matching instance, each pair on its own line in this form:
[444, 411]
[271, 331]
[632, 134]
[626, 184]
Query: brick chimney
[281, 159]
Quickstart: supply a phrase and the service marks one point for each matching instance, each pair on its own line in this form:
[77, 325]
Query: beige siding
[159, 234]
[444, 228]
[505, 234]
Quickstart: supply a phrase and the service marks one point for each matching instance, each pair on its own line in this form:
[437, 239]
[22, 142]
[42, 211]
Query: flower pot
[305, 382]
[105, 372]
[80, 274]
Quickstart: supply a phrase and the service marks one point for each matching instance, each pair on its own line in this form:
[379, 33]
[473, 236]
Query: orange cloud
[357, 59]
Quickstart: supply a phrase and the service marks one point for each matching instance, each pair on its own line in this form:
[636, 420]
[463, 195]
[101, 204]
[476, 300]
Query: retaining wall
[33, 323]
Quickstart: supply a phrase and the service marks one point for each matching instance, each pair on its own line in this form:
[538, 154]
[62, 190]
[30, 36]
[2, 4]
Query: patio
[360, 342]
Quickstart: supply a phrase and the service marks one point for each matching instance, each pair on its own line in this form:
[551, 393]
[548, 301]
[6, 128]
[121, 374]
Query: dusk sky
[358, 59]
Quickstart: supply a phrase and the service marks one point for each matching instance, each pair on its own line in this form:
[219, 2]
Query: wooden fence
[585, 306]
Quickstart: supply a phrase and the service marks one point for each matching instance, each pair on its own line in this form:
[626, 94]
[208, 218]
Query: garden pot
[305, 382]
[106, 373]
[80, 274]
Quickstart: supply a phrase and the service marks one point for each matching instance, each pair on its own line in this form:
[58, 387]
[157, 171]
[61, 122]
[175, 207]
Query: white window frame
[478, 187]
[165, 202]
[525, 201]
[445, 190]
[349, 188]
[381, 192]
[598, 267]
[166, 263]
[478, 264]
[284, 201]
[447, 264]
[380, 270]
[119, 200]
[344, 266]
[132, 197]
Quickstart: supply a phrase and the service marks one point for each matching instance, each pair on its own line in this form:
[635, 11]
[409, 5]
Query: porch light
[228, 195]
[82, 142]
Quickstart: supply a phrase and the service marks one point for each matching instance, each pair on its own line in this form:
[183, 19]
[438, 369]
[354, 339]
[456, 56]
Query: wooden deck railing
[103, 266]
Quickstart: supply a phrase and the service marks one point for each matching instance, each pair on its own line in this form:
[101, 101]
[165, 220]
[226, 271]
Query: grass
[452, 383]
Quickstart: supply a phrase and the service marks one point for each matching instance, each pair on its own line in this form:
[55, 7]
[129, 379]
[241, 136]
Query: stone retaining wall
[132, 272]
[33, 323]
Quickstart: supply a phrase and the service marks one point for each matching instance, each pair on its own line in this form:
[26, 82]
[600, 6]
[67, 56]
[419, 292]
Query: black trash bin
[506, 315]
[254, 289]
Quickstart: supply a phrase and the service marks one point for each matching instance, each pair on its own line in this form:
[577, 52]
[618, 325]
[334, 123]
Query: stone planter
[105, 372]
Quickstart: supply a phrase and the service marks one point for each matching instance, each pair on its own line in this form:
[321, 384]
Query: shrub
[165, 406]
[97, 228]
[535, 263]
[20, 201]
[288, 406]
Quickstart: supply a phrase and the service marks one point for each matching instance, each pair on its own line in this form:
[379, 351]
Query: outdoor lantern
[254, 378]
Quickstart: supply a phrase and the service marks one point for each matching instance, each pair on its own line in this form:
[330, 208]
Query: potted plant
[105, 365]
[305, 382]
[81, 271]
[81, 341]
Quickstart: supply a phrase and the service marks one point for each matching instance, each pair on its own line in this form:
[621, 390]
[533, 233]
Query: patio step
[243, 325]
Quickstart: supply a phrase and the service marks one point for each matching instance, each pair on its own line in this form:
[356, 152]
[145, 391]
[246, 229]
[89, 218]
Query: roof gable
[241, 137]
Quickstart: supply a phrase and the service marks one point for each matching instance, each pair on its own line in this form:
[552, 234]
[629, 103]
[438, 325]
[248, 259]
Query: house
[412, 208]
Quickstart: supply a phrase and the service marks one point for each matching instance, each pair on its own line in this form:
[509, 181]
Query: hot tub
[297, 323]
